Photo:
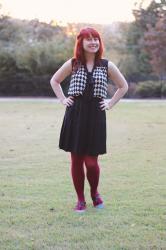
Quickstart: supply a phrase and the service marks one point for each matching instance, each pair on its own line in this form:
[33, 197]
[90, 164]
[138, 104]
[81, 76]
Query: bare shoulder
[64, 71]
[113, 70]
[115, 74]
[112, 67]
[67, 66]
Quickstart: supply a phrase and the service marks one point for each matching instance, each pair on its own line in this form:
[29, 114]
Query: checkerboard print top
[78, 82]
[79, 79]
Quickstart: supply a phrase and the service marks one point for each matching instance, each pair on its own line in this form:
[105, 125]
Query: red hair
[79, 51]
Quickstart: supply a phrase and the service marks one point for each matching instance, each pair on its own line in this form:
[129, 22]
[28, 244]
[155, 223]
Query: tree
[146, 19]
[149, 15]
[155, 44]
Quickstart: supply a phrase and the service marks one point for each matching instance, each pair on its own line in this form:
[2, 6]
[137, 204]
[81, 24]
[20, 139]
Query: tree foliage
[155, 44]
[31, 51]
[147, 37]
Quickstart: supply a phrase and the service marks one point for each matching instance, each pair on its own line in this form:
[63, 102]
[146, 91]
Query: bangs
[87, 32]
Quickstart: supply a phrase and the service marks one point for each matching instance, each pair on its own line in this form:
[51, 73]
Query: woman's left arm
[116, 76]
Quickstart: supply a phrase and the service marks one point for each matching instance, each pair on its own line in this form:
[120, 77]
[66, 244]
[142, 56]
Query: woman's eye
[89, 39]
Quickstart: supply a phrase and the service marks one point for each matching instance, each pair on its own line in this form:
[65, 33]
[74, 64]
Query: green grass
[36, 192]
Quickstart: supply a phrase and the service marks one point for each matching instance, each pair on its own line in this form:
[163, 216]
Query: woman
[83, 131]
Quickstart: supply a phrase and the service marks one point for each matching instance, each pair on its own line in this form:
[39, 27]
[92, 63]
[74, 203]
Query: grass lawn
[36, 191]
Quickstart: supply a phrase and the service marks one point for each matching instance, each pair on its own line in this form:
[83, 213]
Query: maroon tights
[78, 175]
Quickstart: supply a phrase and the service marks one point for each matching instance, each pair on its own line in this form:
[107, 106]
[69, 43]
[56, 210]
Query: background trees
[31, 51]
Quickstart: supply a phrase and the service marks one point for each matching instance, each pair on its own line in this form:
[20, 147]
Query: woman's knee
[91, 161]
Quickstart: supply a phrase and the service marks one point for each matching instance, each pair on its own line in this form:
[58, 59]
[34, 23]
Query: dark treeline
[31, 51]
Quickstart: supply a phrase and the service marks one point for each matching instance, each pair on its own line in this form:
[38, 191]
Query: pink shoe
[80, 207]
[97, 201]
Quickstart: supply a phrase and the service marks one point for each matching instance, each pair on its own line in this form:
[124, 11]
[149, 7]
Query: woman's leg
[93, 173]
[78, 175]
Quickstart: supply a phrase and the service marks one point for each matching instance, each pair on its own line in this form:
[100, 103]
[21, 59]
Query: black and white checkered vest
[100, 77]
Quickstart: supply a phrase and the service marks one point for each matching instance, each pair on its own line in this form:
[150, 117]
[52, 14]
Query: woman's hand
[104, 104]
[68, 101]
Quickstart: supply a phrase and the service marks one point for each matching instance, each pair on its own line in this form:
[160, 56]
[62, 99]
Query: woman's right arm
[64, 71]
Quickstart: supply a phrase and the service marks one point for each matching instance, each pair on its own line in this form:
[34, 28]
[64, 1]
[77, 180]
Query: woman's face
[91, 44]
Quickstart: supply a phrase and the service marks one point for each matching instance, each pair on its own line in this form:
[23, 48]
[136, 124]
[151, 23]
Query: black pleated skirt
[83, 129]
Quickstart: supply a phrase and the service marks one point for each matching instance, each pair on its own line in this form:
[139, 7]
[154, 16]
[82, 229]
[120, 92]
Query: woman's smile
[91, 44]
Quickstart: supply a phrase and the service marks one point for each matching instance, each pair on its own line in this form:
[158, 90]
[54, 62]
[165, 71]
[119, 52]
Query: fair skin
[91, 46]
